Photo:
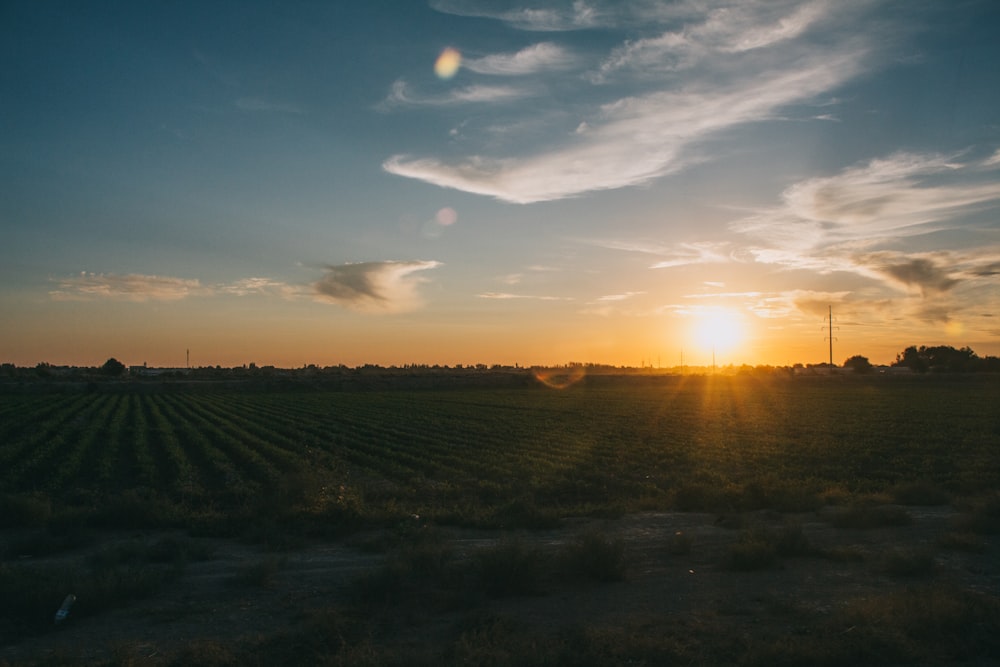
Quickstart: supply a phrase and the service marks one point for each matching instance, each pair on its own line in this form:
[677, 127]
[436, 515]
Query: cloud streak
[629, 141]
[576, 15]
[507, 296]
[541, 57]
[401, 94]
[832, 223]
[368, 287]
[130, 287]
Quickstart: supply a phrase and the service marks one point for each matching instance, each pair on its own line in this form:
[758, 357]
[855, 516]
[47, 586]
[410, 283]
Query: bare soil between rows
[210, 602]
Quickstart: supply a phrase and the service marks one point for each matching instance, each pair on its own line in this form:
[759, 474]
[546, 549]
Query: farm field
[287, 470]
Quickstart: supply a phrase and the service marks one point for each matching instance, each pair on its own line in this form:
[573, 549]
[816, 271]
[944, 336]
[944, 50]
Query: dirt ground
[208, 602]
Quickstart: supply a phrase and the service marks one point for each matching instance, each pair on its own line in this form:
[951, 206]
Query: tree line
[934, 359]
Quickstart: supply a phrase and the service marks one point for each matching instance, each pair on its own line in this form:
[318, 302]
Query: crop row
[585, 444]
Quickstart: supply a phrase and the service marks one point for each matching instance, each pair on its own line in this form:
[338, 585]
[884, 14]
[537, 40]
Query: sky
[532, 182]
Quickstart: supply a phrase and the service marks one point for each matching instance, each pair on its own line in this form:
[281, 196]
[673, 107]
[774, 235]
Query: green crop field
[491, 456]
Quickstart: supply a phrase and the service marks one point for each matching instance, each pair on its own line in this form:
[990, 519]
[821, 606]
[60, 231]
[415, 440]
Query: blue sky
[294, 183]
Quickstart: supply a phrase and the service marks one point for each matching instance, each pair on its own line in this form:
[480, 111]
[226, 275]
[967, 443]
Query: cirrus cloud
[601, 140]
[529, 60]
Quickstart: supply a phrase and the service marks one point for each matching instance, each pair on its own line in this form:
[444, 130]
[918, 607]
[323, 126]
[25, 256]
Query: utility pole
[829, 335]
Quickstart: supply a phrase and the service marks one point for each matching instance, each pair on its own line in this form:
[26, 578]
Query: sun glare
[719, 330]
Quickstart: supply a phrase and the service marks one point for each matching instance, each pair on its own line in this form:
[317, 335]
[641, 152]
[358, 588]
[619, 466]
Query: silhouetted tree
[859, 363]
[113, 367]
[938, 358]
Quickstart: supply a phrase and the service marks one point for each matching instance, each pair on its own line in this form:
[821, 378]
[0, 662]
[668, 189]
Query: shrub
[510, 568]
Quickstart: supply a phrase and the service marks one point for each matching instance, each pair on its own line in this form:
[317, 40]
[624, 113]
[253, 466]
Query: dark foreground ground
[883, 585]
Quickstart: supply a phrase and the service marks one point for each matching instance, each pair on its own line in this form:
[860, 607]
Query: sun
[719, 330]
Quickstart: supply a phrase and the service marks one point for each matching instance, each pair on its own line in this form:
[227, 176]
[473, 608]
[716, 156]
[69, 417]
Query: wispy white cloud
[374, 287]
[503, 296]
[872, 220]
[629, 141]
[624, 304]
[130, 287]
[258, 286]
[834, 223]
[693, 253]
[563, 16]
[618, 297]
[673, 254]
[637, 139]
[402, 95]
[541, 57]
[736, 28]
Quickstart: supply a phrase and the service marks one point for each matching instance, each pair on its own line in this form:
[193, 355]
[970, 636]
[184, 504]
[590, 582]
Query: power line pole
[829, 335]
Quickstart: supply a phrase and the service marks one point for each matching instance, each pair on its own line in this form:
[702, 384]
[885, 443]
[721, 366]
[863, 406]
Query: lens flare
[446, 217]
[447, 63]
[559, 378]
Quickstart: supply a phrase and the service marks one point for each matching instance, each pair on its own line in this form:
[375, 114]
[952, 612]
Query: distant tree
[859, 363]
[113, 367]
[939, 358]
[912, 359]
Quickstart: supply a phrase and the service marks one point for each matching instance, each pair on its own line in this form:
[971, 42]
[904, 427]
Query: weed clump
[760, 548]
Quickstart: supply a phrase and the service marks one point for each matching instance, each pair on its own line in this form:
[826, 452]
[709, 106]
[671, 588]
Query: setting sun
[719, 330]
